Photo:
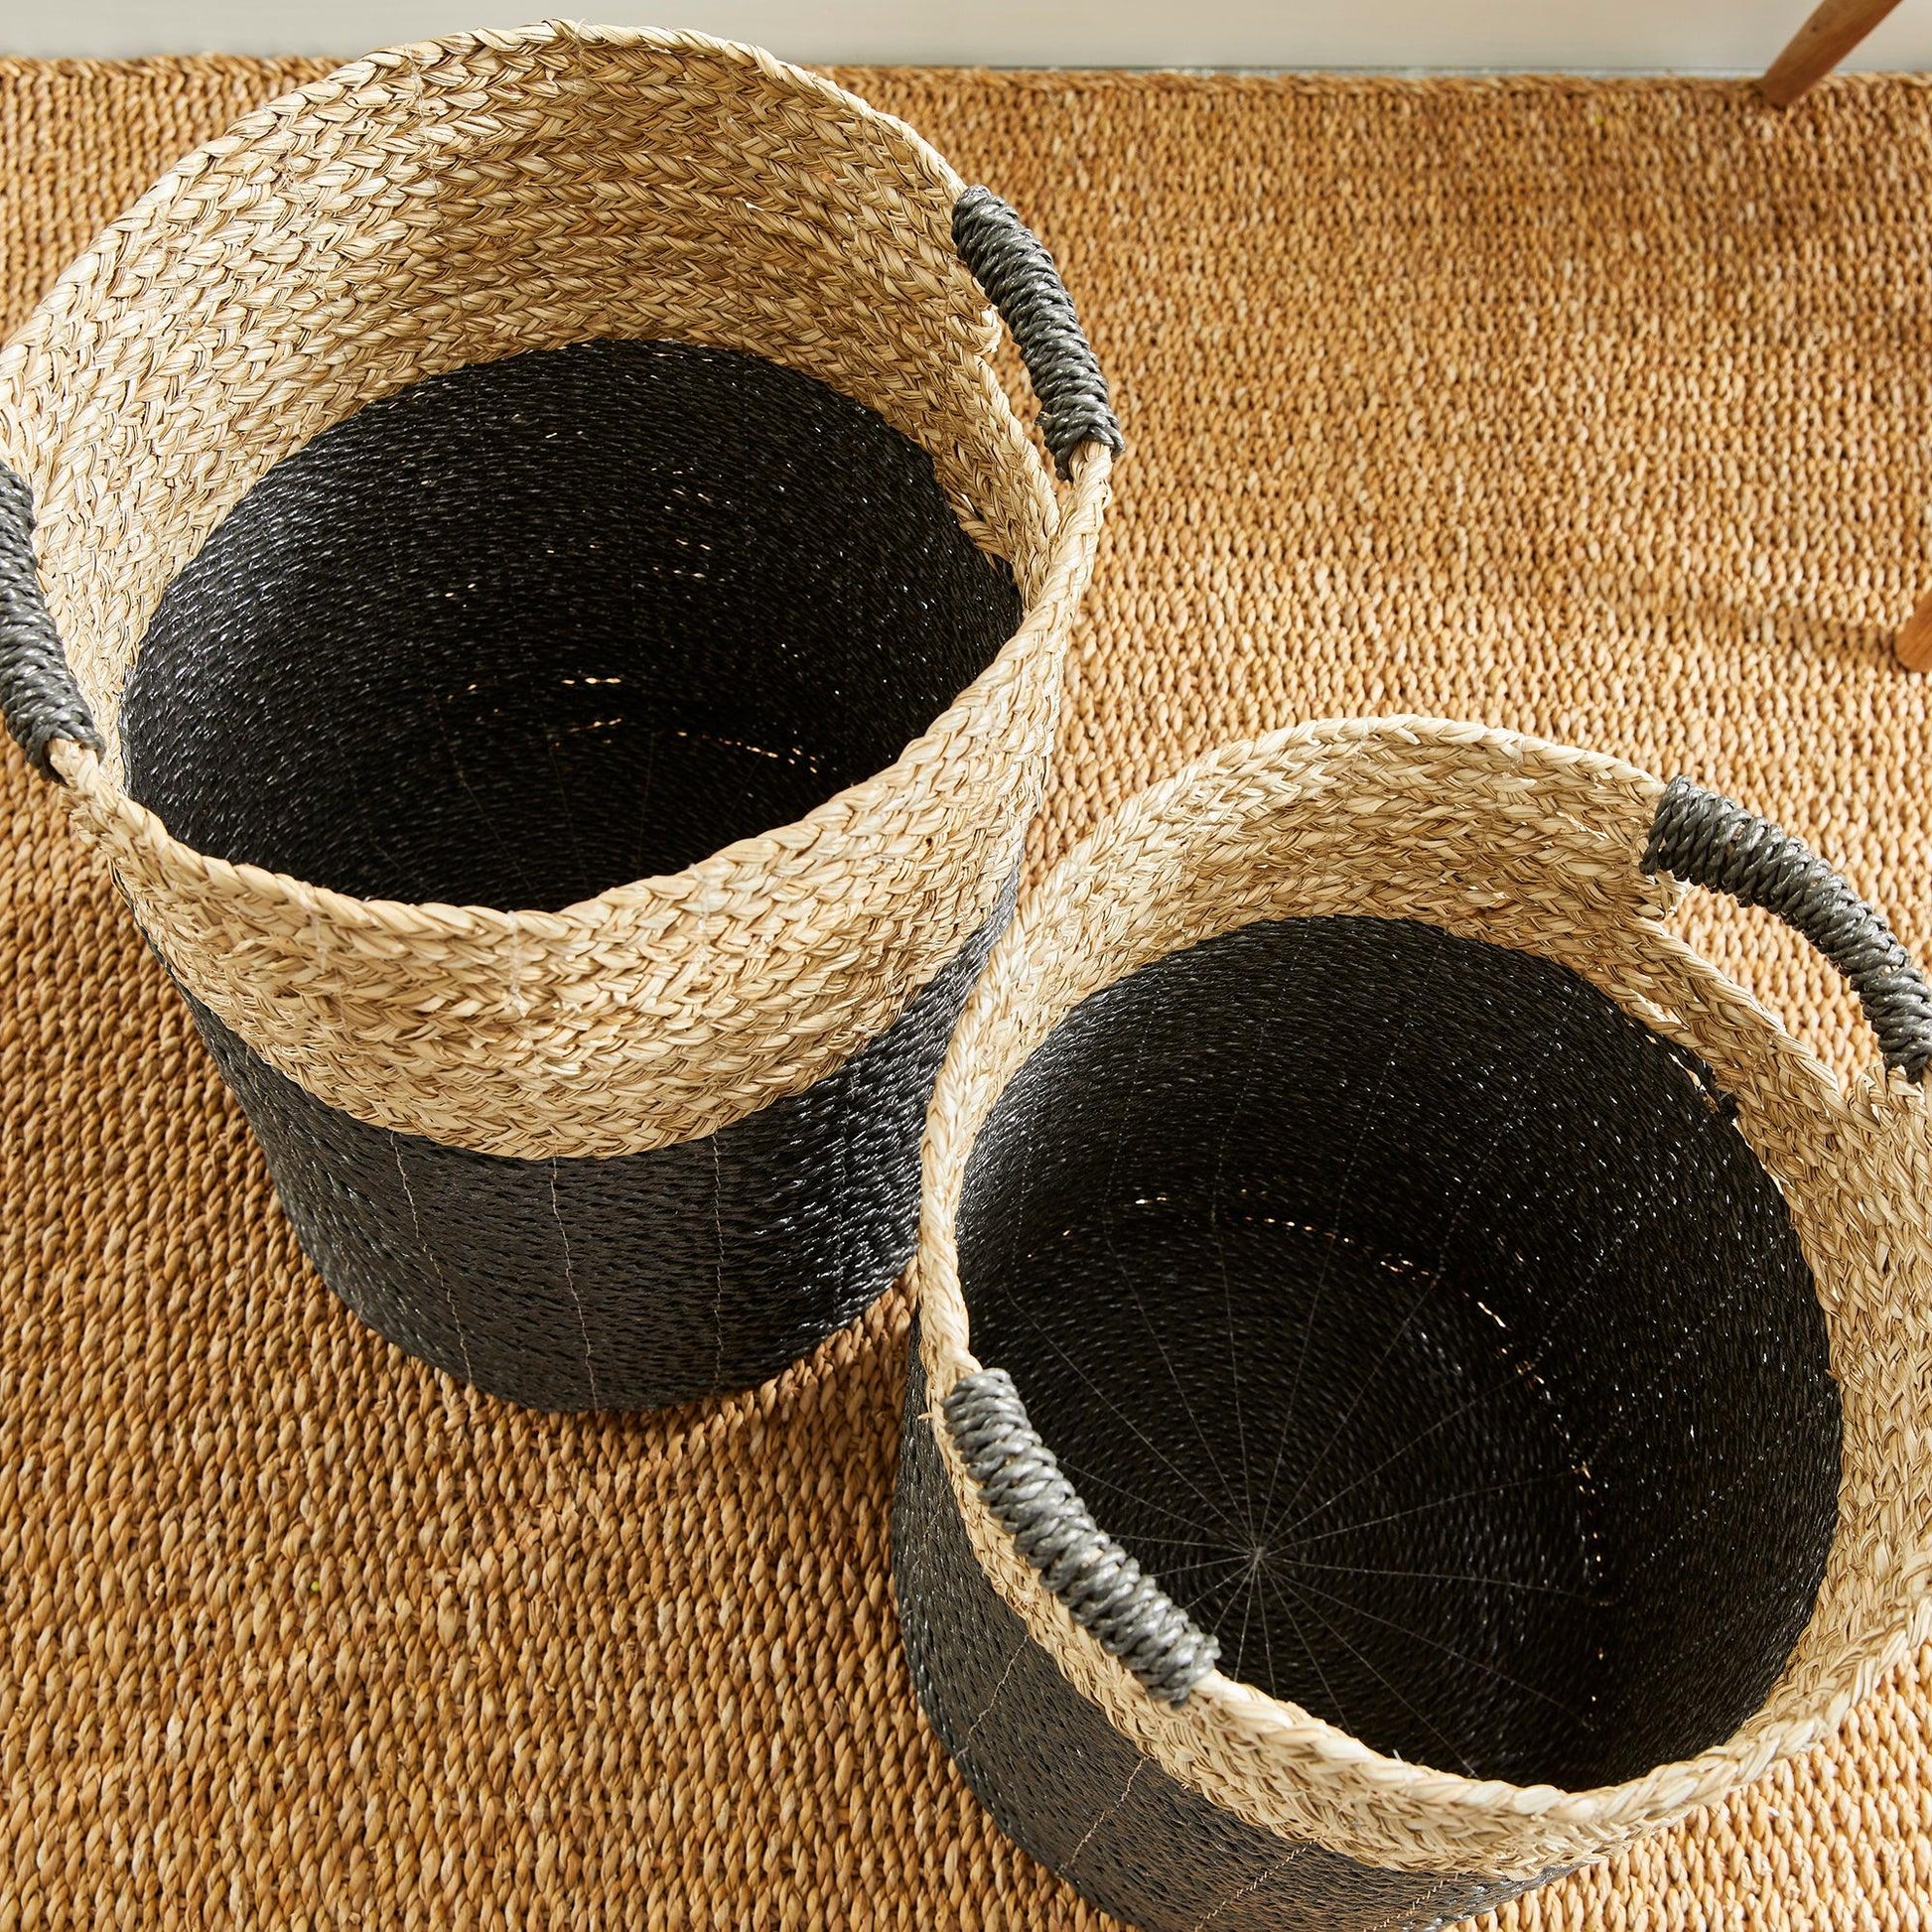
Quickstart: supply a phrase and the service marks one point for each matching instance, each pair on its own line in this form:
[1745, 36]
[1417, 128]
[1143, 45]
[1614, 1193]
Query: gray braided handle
[1021, 282]
[1701, 837]
[38, 695]
[1099, 1582]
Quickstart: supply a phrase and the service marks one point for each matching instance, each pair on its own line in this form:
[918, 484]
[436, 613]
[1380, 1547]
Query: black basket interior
[1426, 1325]
[544, 626]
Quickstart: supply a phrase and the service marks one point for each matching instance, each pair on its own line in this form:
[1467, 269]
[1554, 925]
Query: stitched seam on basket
[570, 1282]
[1402, 1912]
[1074, 1856]
[428, 1254]
[1020, 1649]
[718, 1264]
[1253, 1886]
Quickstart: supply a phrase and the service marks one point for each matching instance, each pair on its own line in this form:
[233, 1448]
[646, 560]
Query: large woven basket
[1420, 1379]
[521, 558]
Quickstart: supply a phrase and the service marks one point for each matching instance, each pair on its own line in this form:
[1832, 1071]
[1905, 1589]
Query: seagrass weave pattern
[1566, 430]
[1465, 1307]
[583, 750]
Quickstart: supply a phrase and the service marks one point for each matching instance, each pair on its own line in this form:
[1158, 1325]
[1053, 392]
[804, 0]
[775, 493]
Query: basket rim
[730, 865]
[1383, 1810]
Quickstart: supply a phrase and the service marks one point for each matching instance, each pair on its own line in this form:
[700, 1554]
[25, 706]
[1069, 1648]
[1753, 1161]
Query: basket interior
[543, 625]
[1426, 1325]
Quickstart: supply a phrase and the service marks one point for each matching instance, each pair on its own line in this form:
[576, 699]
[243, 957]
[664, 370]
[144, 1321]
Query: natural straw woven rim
[1537, 846]
[668, 1007]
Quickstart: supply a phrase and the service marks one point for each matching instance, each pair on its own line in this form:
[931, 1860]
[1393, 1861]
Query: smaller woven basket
[522, 559]
[1418, 1378]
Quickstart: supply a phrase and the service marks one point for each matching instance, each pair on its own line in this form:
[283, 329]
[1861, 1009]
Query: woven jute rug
[1603, 411]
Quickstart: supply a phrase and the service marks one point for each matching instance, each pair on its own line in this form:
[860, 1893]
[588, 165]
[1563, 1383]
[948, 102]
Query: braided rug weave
[1598, 411]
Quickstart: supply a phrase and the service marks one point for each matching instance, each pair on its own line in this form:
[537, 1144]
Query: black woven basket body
[585, 653]
[1420, 1317]
[655, 599]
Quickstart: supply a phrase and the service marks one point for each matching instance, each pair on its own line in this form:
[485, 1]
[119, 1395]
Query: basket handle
[38, 698]
[1703, 839]
[1103, 1587]
[1020, 279]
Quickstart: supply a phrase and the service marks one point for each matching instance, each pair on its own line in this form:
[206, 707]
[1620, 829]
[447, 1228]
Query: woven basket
[521, 559]
[1350, 1205]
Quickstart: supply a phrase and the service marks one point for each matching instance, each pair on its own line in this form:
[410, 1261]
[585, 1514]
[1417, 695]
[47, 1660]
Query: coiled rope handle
[1103, 1587]
[1021, 282]
[38, 695]
[1703, 839]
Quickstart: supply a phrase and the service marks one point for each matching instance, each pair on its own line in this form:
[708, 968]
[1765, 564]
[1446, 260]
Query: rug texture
[1598, 410]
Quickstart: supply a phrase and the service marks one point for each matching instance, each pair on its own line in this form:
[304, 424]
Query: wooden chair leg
[1831, 32]
[1835, 28]
[1914, 644]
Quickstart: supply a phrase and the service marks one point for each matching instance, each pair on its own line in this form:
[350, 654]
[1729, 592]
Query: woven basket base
[1607, 426]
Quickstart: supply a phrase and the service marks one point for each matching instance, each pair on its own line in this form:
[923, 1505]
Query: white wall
[1716, 35]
